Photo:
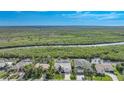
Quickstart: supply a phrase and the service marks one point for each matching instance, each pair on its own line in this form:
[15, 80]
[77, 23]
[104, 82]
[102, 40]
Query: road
[42, 46]
[114, 77]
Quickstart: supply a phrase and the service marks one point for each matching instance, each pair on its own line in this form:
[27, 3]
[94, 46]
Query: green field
[61, 35]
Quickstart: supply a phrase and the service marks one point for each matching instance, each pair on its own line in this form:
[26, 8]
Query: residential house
[80, 65]
[8, 62]
[108, 68]
[63, 66]
[3, 66]
[19, 66]
[102, 68]
[96, 61]
[44, 66]
[99, 69]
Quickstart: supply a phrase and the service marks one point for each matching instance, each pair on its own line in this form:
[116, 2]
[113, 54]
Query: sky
[61, 18]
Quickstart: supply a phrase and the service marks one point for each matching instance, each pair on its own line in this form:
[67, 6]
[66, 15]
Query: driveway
[67, 77]
[114, 77]
[79, 77]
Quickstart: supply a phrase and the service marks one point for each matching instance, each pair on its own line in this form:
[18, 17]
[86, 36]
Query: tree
[50, 73]
[73, 73]
[88, 73]
[120, 67]
[32, 72]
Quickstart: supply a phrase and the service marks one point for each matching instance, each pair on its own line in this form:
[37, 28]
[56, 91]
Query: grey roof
[64, 64]
[63, 61]
[79, 71]
[26, 60]
[82, 63]
[96, 61]
[8, 60]
[2, 64]
[22, 63]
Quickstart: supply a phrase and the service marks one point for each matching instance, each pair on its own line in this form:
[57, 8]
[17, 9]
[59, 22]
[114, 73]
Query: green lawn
[104, 78]
[58, 77]
[3, 74]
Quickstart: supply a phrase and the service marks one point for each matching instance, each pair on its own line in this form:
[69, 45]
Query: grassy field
[20, 36]
[115, 53]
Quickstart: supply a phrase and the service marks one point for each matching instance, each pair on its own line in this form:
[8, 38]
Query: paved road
[93, 45]
[114, 77]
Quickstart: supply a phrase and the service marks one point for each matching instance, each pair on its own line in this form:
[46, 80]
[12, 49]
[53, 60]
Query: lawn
[58, 77]
[3, 74]
[103, 78]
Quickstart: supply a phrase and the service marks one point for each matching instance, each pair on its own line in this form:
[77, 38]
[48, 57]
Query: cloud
[93, 15]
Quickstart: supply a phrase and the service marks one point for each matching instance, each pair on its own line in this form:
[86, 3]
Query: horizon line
[58, 25]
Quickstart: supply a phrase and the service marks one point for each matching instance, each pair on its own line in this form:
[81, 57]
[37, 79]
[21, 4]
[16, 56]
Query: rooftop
[66, 66]
[44, 66]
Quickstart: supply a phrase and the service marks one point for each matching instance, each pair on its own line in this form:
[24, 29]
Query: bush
[120, 68]
[73, 77]
[32, 72]
[3, 74]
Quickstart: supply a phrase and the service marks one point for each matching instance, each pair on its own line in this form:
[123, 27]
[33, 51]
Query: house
[9, 61]
[80, 65]
[99, 69]
[96, 61]
[19, 66]
[63, 66]
[27, 60]
[3, 66]
[102, 68]
[44, 66]
[108, 68]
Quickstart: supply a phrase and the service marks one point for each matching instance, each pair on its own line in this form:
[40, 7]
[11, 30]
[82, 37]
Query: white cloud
[92, 15]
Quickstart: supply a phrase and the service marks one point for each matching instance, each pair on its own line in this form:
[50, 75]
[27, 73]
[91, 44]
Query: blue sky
[99, 18]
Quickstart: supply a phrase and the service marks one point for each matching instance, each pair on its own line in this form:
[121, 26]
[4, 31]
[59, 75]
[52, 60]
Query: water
[95, 45]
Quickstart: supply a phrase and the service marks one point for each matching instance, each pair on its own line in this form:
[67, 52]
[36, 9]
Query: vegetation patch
[3, 74]
[115, 53]
[102, 78]
[27, 36]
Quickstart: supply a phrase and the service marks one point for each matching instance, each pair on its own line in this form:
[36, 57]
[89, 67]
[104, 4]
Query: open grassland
[115, 53]
[73, 35]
